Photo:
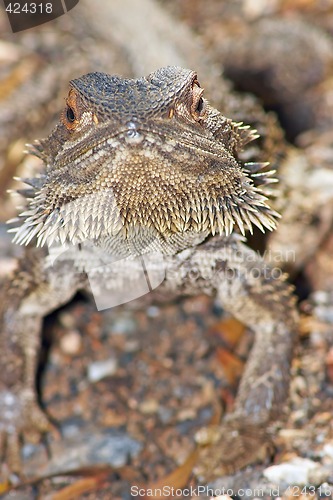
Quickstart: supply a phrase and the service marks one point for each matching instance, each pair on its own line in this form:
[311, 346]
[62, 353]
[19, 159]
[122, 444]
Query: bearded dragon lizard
[138, 166]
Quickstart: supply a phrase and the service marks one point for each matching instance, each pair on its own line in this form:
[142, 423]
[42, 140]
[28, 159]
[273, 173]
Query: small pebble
[299, 416]
[101, 369]
[165, 414]
[299, 384]
[123, 326]
[186, 414]
[153, 311]
[149, 407]
[29, 449]
[9, 52]
[71, 343]
[132, 345]
[319, 297]
[70, 429]
[325, 314]
[328, 450]
[116, 449]
[67, 320]
[297, 471]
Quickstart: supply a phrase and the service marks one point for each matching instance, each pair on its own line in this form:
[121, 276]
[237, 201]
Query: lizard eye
[69, 117]
[198, 106]
[70, 114]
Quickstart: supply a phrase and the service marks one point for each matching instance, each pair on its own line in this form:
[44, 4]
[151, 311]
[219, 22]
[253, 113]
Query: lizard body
[141, 165]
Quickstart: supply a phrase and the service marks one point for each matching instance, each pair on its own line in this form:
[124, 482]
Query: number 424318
[29, 8]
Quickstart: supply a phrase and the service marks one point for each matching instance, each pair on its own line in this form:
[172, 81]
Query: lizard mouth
[131, 135]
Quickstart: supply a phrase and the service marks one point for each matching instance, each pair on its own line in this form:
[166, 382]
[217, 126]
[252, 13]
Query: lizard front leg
[258, 296]
[33, 291]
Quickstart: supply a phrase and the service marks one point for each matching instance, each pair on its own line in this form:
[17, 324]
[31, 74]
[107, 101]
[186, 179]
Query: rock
[149, 406]
[71, 343]
[328, 450]
[123, 325]
[298, 472]
[101, 369]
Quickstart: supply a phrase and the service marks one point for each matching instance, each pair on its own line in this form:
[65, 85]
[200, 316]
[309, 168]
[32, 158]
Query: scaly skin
[141, 166]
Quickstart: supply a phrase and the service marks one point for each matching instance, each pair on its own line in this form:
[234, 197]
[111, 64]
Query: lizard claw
[226, 448]
[20, 418]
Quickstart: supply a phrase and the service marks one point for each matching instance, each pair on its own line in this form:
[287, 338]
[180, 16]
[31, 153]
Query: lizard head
[143, 153]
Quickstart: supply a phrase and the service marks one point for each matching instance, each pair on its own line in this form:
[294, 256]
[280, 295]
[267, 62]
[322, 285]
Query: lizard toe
[20, 419]
[11, 464]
